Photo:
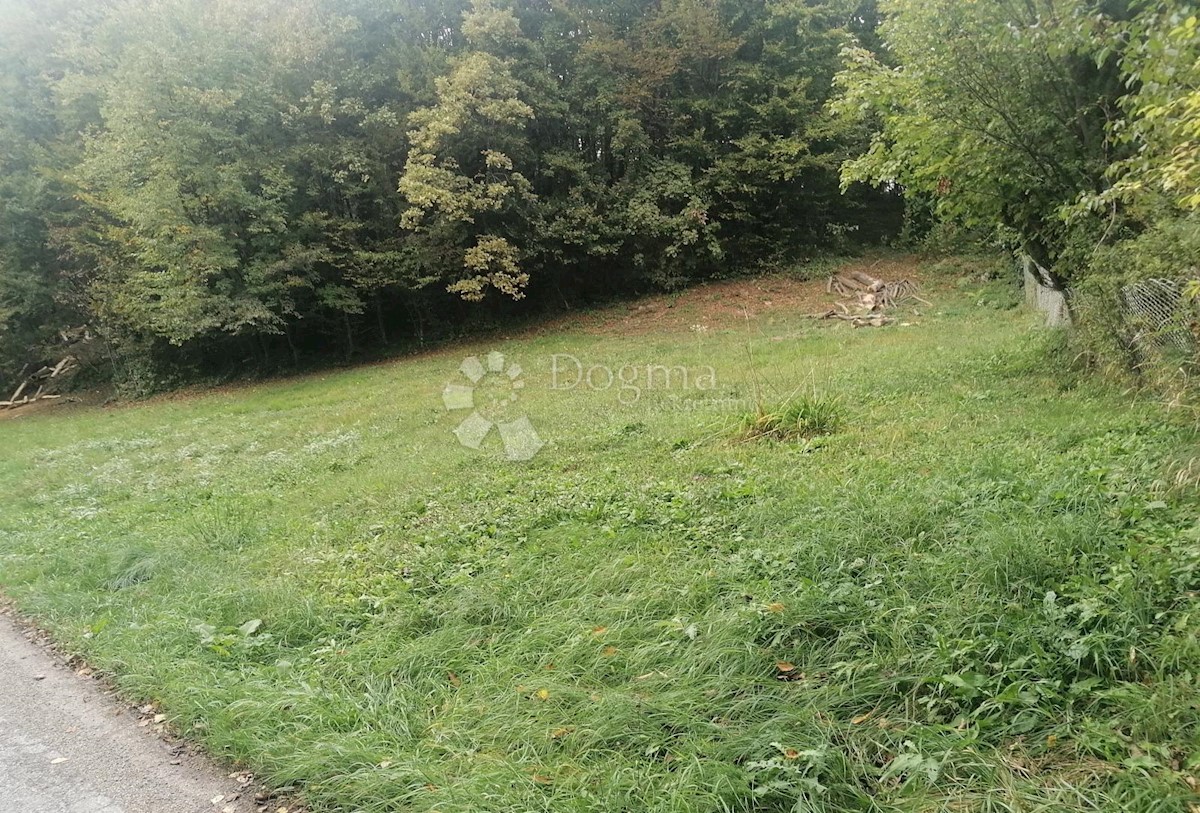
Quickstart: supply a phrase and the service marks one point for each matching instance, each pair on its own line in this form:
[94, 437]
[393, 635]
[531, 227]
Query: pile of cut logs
[868, 297]
[35, 386]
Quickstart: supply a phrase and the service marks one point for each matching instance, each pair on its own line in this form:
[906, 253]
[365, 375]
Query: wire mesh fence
[1150, 328]
[1161, 316]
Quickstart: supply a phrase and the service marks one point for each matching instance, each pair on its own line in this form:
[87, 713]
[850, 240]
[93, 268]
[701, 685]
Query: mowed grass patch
[980, 593]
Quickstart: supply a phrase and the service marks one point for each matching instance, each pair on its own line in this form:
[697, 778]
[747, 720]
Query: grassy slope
[987, 603]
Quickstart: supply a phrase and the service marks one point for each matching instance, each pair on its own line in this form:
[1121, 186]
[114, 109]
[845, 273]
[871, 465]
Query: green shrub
[800, 418]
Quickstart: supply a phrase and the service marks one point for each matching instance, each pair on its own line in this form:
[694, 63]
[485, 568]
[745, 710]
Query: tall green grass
[980, 593]
[801, 417]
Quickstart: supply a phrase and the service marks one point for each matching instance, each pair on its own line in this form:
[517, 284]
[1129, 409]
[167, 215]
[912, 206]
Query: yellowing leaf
[559, 733]
[599, 630]
[609, 651]
[862, 718]
[785, 666]
[775, 607]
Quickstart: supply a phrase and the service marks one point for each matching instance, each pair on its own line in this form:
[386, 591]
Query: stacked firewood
[40, 384]
[868, 298]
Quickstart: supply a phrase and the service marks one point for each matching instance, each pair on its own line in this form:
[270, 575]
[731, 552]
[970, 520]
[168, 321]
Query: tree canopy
[1062, 127]
[209, 181]
[202, 180]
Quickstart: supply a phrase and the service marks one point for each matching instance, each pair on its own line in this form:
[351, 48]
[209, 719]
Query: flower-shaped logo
[491, 396]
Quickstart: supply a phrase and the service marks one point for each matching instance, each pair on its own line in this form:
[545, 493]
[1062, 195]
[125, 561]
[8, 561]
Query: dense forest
[197, 184]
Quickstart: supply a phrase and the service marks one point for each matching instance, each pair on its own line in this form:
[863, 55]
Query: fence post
[1042, 297]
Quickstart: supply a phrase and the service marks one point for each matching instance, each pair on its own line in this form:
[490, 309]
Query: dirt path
[67, 747]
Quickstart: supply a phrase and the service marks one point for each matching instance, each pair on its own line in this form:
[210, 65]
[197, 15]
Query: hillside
[977, 593]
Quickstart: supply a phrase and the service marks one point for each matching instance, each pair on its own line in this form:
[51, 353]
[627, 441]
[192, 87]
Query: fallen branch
[58, 368]
[857, 319]
[902, 290]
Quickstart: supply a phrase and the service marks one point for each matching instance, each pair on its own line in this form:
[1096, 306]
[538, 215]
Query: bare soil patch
[729, 303]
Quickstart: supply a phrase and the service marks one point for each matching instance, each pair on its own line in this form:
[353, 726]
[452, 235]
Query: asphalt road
[68, 747]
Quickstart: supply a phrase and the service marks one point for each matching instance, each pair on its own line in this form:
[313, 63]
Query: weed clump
[131, 566]
[801, 418]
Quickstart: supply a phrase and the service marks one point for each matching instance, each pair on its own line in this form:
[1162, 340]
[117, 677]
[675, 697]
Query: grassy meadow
[974, 587]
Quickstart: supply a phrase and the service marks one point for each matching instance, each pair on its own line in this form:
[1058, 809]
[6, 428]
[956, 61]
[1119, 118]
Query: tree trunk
[287, 335]
[379, 321]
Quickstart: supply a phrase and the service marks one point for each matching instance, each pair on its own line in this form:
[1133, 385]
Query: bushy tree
[999, 112]
[37, 296]
[1162, 128]
[459, 177]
